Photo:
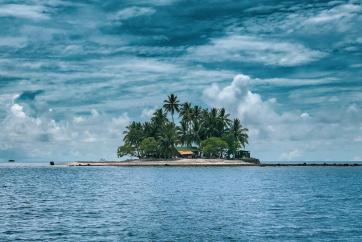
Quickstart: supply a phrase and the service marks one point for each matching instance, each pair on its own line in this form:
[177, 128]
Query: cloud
[78, 119]
[154, 2]
[23, 11]
[358, 139]
[305, 116]
[289, 134]
[337, 13]
[255, 49]
[237, 97]
[17, 111]
[291, 155]
[133, 12]
[77, 75]
[147, 112]
[94, 112]
[43, 137]
[16, 42]
[121, 121]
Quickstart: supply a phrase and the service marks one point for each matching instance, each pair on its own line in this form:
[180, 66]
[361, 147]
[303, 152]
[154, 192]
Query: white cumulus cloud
[237, 97]
[267, 127]
[17, 111]
[42, 136]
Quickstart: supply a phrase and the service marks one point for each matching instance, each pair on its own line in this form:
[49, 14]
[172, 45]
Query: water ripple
[157, 204]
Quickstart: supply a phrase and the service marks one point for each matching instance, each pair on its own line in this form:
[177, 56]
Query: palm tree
[196, 125]
[196, 133]
[182, 132]
[168, 140]
[159, 117]
[186, 112]
[210, 124]
[196, 113]
[149, 129]
[171, 105]
[238, 132]
[134, 135]
[224, 120]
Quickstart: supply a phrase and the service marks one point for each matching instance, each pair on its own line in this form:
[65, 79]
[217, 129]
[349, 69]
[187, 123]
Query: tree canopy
[214, 147]
[211, 131]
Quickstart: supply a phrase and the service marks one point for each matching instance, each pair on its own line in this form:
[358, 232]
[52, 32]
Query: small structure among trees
[200, 133]
[186, 154]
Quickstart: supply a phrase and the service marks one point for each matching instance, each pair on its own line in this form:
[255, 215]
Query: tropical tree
[149, 147]
[126, 149]
[196, 133]
[183, 133]
[186, 112]
[168, 141]
[210, 123]
[211, 130]
[236, 136]
[149, 129]
[239, 133]
[233, 144]
[158, 120]
[159, 117]
[133, 136]
[196, 114]
[171, 105]
[223, 120]
[214, 147]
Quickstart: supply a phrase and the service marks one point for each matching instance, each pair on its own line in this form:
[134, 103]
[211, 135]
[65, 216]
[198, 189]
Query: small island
[198, 137]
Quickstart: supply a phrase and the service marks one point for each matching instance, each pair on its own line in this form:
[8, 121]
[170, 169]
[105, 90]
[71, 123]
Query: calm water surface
[42, 203]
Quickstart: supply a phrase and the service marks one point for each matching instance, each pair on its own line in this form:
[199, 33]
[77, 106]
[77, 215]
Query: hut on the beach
[188, 154]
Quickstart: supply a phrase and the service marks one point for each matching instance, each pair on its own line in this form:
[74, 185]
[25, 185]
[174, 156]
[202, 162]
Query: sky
[73, 74]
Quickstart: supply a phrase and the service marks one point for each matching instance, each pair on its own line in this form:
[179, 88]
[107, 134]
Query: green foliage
[168, 140]
[134, 136]
[159, 117]
[126, 150]
[238, 133]
[207, 129]
[214, 147]
[183, 133]
[233, 144]
[171, 105]
[149, 147]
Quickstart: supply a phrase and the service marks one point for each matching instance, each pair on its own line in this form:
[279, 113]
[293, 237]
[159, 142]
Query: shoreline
[174, 162]
[205, 162]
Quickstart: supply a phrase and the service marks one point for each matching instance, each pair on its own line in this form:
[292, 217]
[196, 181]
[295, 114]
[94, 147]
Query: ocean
[43, 203]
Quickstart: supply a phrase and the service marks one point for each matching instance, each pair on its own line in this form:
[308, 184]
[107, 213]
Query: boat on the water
[11, 160]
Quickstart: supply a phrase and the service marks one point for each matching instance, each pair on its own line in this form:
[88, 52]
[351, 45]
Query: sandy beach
[175, 162]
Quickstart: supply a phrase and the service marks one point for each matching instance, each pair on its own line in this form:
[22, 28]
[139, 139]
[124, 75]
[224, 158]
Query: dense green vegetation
[212, 132]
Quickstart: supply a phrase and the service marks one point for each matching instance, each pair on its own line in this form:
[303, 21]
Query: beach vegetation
[149, 147]
[214, 147]
[212, 132]
[171, 105]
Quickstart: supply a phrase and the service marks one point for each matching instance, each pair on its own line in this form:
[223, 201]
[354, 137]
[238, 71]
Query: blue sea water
[43, 203]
